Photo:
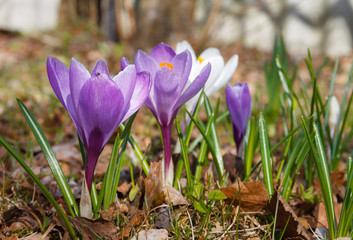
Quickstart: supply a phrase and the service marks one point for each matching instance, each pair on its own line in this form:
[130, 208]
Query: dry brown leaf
[22, 217]
[155, 234]
[320, 212]
[173, 196]
[154, 184]
[286, 218]
[89, 228]
[136, 219]
[36, 236]
[114, 209]
[162, 218]
[252, 196]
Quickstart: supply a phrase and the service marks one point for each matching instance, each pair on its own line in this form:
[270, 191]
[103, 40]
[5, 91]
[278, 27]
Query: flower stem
[91, 161]
[166, 132]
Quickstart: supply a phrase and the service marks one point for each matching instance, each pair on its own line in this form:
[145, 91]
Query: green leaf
[41, 187]
[216, 195]
[200, 206]
[51, 159]
[197, 191]
[265, 155]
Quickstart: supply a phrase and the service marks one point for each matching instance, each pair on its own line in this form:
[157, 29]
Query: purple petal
[58, 74]
[165, 95]
[182, 64]
[145, 63]
[78, 75]
[124, 62]
[141, 92]
[100, 68]
[238, 100]
[195, 86]
[162, 53]
[126, 81]
[99, 109]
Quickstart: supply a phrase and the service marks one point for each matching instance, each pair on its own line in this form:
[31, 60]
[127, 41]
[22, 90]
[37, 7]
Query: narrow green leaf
[41, 187]
[265, 155]
[51, 159]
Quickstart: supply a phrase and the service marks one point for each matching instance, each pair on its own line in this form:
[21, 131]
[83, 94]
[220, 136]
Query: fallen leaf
[114, 209]
[173, 196]
[90, 228]
[155, 234]
[154, 184]
[162, 218]
[252, 196]
[136, 219]
[287, 220]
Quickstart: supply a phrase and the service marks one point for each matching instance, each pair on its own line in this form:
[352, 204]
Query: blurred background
[31, 30]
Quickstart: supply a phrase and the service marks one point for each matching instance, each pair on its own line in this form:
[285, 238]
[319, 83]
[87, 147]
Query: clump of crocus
[97, 103]
[170, 73]
[220, 73]
[239, 104]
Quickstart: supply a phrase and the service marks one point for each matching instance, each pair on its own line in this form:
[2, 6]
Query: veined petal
[185, 45]
[162, 53]
[124, 62]
[182, 67]
[165, 95]
[225, 76]
[210, 52]
[100, 68]
[194, 87]
[78, 75]
[126, 81]
[141, 92]
[58, 74]
[99, 109]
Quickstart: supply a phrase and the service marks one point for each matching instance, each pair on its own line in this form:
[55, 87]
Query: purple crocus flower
[169, 73]
[239, 104]
[97, 103]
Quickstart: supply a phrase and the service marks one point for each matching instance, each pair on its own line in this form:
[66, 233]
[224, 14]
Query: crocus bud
[239, 104]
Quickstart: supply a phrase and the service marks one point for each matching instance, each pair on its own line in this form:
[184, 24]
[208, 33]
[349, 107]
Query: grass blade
[265, 155]
[51, 159]
[41, 187]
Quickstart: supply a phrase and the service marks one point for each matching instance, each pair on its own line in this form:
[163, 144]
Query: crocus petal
[194, 87]
[124, 62]
[100, 68]
[182, 66]
[78, 75]
[210, 52]
[162, 53]
[225, 76]
[185, 45]
[141, 91]
[238, 100]
[126, 81]
[217, 64]
[165, 95]
[58, 74]
[145, 63]
[99, 108]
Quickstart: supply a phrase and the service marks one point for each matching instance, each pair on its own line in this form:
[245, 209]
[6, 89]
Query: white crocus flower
[220, 73]
[334, 114]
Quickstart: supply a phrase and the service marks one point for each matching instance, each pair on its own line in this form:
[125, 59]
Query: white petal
[210, 52]
[334, 111]
[217, 65]
[225, 76]
[185, 45]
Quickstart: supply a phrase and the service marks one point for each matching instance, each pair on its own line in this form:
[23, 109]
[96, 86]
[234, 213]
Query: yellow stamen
[164, 64]
[200, 59]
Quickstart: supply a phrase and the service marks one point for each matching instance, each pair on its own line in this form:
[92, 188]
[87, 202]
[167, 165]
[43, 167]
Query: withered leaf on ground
[252, 196]
[90, 228]
[287, 220]
[173, 196]
[154, 185]
[136, 219]
[114, 209]
[162, 218]
[155, 234]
